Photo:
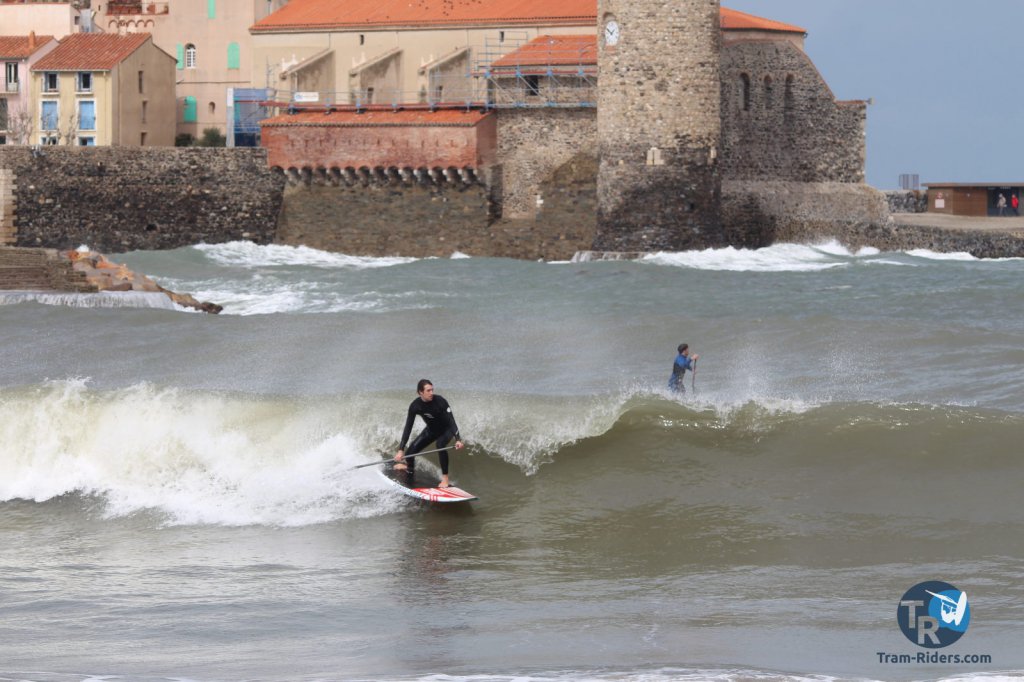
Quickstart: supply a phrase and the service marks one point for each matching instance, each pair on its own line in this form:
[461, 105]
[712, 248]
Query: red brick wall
[415, 146]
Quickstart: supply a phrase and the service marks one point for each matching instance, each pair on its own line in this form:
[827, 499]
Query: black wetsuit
[441, 427]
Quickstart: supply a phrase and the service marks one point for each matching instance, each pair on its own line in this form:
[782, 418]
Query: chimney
[32, 40]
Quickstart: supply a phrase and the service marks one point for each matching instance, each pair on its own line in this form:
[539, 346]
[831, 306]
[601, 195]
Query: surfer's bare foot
[444, 483]
[400, 467]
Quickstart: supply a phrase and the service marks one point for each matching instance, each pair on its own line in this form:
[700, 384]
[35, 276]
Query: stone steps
[39, 270]
[30, 278]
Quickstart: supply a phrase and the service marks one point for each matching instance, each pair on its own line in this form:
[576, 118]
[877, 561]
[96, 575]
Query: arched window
[213, 108]
[769, 92]
[745, 91]
[790, 97]
[190, 56]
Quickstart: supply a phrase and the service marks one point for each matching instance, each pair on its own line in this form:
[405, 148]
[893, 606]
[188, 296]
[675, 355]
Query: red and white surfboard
[423, 486]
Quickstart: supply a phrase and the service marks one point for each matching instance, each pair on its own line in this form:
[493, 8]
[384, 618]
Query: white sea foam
[268, 295]
[776, 258]
[103, 299]
[935, 255]
[197, 459]
[795, 258]
[248, 254]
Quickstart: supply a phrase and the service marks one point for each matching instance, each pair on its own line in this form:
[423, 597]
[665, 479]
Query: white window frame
[78, 81]
[49, 140]
[86, 137]
[46, 81]
[11, 77]
[190, 56]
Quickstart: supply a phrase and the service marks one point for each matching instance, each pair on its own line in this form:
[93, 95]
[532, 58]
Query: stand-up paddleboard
[423, 485]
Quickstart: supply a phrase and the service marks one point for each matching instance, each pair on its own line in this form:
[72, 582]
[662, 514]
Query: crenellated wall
[118, 199]
[386, 211]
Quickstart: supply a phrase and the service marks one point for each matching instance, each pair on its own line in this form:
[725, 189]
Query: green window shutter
[211, 9]
[190, 109]
[181, 56]
[234, 56]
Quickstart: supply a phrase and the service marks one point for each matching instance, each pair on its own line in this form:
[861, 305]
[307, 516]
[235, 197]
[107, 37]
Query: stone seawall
[907, 201]
[381, 215]
[763, 213]
[118, 199]
[757, 214]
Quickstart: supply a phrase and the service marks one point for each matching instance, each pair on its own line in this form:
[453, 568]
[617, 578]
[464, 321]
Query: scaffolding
[513, 72]
[549, 71]
[248, 112]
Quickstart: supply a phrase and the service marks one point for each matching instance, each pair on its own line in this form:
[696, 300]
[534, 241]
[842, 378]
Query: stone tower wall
[781, 122]
[659, 125]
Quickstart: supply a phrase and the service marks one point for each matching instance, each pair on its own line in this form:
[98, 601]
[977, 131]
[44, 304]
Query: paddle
[693, 380]
[385, 461]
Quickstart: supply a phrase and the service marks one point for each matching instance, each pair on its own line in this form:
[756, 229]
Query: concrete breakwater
[80, 272]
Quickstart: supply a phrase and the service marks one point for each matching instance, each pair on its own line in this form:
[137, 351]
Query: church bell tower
[659, 124]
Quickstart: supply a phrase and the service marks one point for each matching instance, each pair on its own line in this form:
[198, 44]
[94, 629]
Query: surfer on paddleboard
[684, 361]
[441, 427]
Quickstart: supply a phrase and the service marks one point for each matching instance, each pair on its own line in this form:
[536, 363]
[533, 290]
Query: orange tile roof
[17, 47]
[733, 20]
[91, 52]
[307, 15]
[300, 15]
[582, 49]
[552, 50]
[351, 119]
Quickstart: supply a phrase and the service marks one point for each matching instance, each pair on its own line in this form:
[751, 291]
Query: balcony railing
[11, 87]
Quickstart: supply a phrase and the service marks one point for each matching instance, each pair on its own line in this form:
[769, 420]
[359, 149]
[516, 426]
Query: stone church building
[529, 128]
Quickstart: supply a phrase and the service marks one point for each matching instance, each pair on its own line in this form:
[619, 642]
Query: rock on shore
[105, 275]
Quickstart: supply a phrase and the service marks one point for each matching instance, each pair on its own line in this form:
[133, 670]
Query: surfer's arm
[407, 431]
[452, 426]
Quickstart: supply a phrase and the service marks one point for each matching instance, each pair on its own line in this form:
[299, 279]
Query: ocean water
[178, 499]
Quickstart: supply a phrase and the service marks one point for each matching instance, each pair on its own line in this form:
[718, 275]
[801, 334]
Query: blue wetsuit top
[679, 368]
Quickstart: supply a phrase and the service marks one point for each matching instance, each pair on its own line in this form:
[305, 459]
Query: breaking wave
[198, 457]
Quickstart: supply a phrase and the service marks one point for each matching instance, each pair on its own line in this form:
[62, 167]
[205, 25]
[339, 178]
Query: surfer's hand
[400, 455]
[458, 445]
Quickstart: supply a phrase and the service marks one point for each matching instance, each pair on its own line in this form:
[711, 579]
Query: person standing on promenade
[684, 361]
[1001, 204]
[1015, 204]
[441, 427]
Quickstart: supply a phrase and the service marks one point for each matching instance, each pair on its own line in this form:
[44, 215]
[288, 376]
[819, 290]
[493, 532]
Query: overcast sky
[948, 105]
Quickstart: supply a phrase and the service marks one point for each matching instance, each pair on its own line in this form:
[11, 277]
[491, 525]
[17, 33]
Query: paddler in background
[441, 427]
[684, 361]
